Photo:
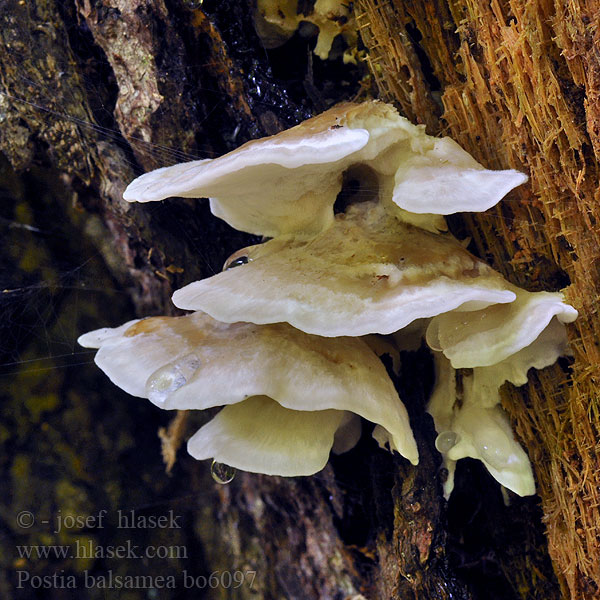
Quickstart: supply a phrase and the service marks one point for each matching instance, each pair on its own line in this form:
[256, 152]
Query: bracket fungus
[288, 183]
[277, 339]
[304, 383]
[465, 405]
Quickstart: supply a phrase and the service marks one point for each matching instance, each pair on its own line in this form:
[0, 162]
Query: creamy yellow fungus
[276, 337]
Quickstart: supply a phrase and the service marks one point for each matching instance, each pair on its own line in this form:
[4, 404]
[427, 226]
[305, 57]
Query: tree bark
[97, 92]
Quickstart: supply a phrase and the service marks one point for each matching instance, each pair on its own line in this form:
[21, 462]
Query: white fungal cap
[283, 183]
[348, 433]
[540, 353]
[489, 336]
[485, 434]
[473, 424]
[368, 273]
[261, 436]
[288, 183]
[195, 362]
[442, 178]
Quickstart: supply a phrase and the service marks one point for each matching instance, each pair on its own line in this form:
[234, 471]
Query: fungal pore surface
[354, 203]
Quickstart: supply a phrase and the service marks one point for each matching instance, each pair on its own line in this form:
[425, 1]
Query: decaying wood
[519, 85]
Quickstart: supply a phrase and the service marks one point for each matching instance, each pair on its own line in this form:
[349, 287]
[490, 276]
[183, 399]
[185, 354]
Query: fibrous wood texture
[517, 84]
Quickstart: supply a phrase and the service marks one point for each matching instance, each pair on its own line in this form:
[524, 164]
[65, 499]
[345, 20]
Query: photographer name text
[121, 519]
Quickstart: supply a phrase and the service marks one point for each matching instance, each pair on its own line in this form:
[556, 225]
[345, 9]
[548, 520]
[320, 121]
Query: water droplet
[221, 472]
[446, 440]
[164, 381]
[236, 262]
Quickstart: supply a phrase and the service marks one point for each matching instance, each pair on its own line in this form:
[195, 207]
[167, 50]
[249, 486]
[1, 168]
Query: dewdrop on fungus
[278, 337]
[222, 473]
[446, 440]
[169, 378]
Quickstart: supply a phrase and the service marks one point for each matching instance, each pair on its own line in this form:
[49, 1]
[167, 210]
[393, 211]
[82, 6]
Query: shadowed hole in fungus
[359, 184]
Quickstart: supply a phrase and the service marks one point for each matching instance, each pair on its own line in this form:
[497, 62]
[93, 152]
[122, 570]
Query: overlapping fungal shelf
[278, 340]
